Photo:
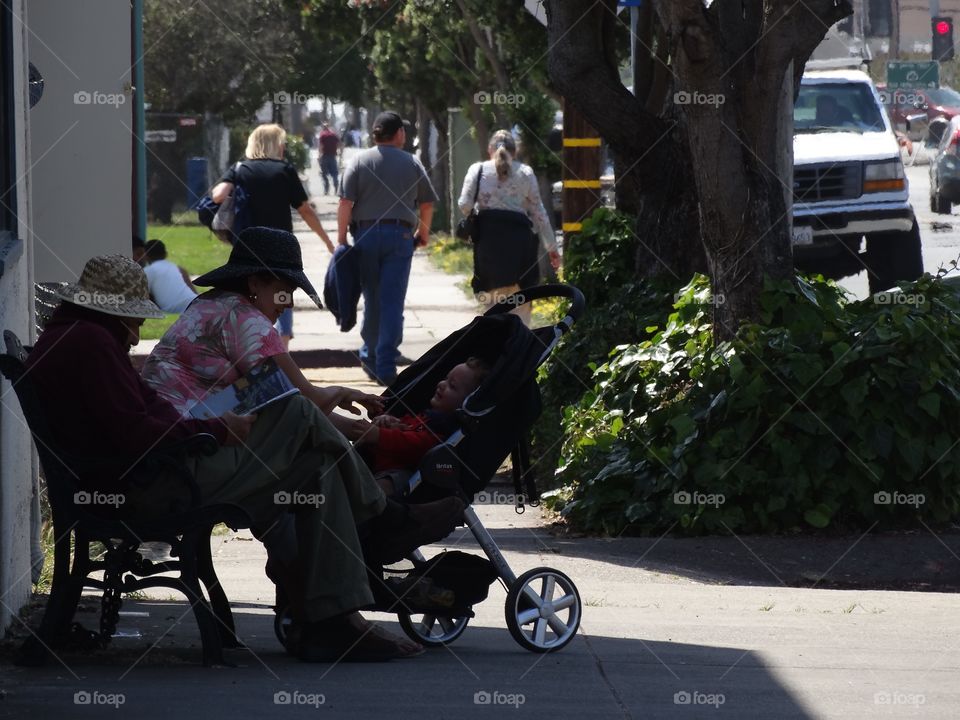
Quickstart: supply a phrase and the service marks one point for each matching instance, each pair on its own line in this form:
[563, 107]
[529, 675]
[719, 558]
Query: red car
[902, 105]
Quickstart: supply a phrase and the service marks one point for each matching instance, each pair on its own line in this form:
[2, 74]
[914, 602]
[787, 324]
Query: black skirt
[504, 251]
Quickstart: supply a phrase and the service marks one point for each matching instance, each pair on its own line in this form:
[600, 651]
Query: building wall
[17, 463]
[82, 133]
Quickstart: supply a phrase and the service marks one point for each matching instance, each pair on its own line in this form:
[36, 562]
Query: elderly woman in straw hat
[80, 365]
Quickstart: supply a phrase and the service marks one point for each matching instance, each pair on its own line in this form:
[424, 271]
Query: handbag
[231, 216]
[467, 227]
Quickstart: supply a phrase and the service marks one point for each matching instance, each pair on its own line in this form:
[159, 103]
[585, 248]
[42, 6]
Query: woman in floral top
[226, 332]
[510, 219]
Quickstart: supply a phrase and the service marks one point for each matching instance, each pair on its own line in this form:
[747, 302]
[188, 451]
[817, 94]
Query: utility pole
[895, 28]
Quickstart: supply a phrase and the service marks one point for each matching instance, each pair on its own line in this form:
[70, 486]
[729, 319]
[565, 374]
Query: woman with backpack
[272, 188]
[511, 225]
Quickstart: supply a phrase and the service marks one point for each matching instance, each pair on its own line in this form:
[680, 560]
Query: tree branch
[575, 33]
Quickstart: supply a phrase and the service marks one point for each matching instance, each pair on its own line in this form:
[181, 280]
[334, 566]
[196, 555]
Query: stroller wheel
[432, 630]
[543, 610]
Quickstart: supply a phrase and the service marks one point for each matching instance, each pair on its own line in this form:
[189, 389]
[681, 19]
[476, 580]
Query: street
[940, 233]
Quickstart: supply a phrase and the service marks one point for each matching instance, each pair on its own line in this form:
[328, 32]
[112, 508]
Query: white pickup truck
[849, 184]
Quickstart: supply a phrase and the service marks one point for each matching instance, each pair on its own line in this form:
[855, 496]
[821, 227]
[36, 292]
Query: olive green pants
[295, 461]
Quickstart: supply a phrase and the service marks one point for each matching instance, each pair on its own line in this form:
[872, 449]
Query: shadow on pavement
[918, 560]
[484, 675]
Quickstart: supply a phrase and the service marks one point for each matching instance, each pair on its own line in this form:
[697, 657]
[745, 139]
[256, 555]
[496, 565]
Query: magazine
[263, 385]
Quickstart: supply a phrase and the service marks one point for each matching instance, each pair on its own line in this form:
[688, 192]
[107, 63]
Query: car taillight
[954, 143]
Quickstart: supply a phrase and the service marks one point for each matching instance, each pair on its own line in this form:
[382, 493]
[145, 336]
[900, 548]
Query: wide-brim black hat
[262, 249]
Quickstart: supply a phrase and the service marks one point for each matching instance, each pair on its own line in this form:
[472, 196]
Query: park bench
[124, 569]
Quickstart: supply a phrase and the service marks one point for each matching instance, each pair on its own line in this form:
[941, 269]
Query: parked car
[912, 110]
[945, 170]
[849, 183]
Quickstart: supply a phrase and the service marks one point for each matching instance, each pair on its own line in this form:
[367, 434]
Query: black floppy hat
[262, 249]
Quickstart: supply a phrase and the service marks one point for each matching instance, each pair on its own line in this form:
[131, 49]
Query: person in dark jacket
[273, 188]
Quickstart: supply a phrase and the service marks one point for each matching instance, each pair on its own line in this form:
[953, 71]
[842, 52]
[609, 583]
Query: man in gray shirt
[386, 199]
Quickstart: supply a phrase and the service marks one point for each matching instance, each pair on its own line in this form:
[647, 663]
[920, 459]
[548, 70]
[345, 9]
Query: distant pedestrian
[386, 199]
[329, 150]
[170, 285]
[512, 224]
[273, 187]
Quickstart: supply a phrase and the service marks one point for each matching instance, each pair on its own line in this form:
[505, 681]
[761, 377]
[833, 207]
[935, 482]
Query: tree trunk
[707, 169]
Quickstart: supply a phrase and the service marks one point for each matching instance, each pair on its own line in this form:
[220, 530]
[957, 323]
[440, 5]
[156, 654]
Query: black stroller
[543, 607]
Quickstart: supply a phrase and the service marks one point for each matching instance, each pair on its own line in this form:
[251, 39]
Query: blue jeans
[386, 252]
[328, 166]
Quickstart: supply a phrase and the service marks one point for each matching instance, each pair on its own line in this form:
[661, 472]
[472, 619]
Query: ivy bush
[825, 413]
[600, 262]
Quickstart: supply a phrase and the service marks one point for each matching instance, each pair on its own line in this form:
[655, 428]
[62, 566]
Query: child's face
[460, 382]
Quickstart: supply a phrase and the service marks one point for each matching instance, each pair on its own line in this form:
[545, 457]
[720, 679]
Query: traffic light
[942, 38]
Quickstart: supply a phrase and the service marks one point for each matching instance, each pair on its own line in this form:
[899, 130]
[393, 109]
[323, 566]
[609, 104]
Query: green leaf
[930, 402]
[818, 517]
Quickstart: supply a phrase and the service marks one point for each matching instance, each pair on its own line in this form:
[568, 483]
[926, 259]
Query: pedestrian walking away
[273, 187]
[329, 150]
[512, 226]
[386, 200]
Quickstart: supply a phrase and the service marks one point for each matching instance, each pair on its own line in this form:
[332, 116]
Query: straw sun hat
[112, 284]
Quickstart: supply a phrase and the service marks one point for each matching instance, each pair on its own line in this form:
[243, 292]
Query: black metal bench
[124, 569]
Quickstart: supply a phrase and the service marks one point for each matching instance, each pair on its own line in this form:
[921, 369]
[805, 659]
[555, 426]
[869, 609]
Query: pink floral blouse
[518, 191]
[220, 337]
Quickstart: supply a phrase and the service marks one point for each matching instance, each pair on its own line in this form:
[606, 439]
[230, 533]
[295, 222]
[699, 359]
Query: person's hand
[363, 433]
[354, 430]
[327, 242]
[555, 259]
[373, 404]
[387, 421]
[421, 240]
[238, 428]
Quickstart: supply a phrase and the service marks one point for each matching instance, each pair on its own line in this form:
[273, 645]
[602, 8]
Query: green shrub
[600, 262]
[824, 413]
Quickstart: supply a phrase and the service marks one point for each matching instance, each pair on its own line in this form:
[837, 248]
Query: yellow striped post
[581, 171]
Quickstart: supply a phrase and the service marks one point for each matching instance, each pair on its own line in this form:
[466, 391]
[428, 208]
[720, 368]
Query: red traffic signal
[942, 45]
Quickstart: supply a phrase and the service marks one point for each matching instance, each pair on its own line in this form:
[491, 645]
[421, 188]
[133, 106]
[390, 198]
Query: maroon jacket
[95, 402]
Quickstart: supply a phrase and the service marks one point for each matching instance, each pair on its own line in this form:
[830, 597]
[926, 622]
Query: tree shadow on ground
[597, 675]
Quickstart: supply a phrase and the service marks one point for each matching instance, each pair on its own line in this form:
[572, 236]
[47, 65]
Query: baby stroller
[543, 606]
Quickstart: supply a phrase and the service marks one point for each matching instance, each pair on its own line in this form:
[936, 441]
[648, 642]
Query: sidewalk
[435, 306]
[716, 627]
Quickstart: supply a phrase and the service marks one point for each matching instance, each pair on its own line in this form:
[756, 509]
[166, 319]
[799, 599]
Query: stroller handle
[539, 292]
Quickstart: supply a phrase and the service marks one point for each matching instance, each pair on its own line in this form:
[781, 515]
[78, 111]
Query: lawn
[192, 247]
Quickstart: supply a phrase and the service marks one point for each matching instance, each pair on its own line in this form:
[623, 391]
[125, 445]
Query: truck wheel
[939, 204]
[893, 257]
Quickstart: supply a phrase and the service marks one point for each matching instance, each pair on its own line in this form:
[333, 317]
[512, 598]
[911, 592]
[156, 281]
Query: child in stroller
[543, 607]
[394, 446]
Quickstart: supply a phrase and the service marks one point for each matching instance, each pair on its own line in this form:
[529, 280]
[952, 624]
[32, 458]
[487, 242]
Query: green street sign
[913, 75]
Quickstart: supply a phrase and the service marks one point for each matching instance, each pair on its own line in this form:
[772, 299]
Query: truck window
[842, 106]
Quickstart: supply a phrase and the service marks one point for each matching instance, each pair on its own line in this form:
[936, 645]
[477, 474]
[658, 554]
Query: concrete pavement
[714, 627]
[667, 632]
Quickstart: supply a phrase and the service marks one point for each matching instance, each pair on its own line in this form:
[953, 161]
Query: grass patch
[451, 255]
[154, 329]
[193, 247]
